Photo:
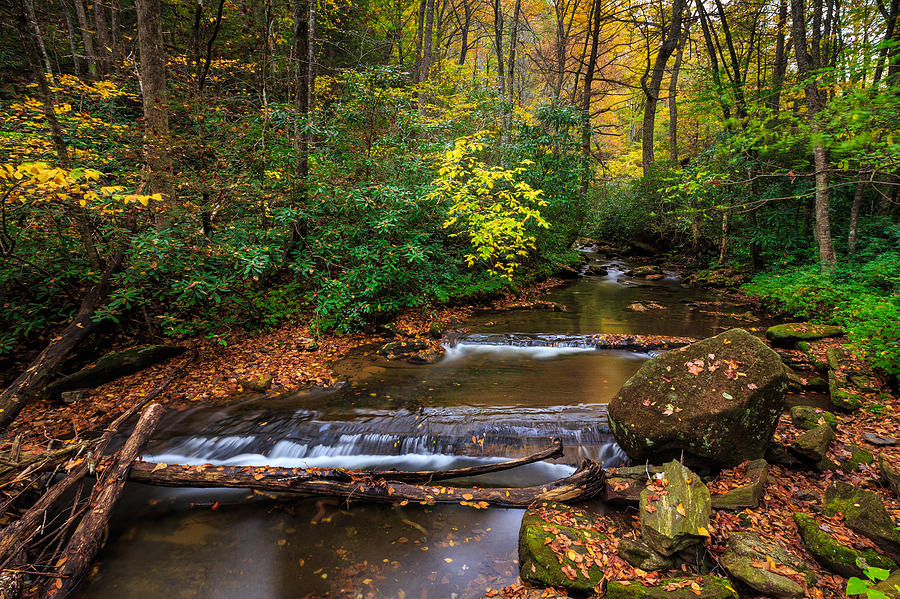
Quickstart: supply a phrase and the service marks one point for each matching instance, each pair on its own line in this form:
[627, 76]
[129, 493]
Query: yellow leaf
[159, 466]
[702, 531]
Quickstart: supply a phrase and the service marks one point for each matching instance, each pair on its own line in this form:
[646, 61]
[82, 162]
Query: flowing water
[512, 382]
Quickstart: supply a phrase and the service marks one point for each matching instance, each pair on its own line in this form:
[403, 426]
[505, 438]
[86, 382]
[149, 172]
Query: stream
[514, 380]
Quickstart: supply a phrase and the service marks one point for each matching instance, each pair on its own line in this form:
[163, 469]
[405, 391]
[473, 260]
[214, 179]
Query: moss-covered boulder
[674, 510]
[844, 395]
[640, 555]
[644, 271]
[814, 443]
[689, 587]
[858, 457]
[834, 554]
[817, 362]
[112, 366]
[890, 474]
[798, 382]
[787, 335]
[556, 546]
[808, 417]
[846, 360]
[747, 553]
[865, 514]
[748, 495]
[717, 401]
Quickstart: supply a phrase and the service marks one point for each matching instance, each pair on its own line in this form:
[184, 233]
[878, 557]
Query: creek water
[512, 382]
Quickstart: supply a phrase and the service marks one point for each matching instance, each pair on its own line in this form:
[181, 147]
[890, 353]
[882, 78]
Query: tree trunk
[427, 35]
[585, 483]
[651, 91]
[420, 27]
[38, 36]
[513, 42]
[157, 172]
[464, 36]
[806, 67]
[73, 48]
[115, 38]
[85, 543]
[103, 49]
[311, 58]
[498, 45]
[86, 39]
[673, 96]
[301, 94]
[44, 367]
[713, 58]
[854, 215]
[587, 95]
[780, 66]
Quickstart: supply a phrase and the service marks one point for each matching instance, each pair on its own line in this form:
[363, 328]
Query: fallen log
[87, 538]
[583, 484]
[17, 468]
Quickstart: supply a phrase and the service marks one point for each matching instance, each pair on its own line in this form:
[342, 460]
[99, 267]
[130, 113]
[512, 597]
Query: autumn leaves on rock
[716, 402]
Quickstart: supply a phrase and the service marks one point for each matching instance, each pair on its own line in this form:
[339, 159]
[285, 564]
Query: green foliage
[858, 586]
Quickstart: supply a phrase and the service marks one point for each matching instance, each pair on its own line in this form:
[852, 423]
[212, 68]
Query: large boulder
[687, 587]
[786, 335]
[556, 546]
[717, 401]
[674, 510]
[834, 554]
[112, 366]
[865, 514]
[765, 566]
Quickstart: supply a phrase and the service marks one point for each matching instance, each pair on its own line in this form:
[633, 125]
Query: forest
[218, 174]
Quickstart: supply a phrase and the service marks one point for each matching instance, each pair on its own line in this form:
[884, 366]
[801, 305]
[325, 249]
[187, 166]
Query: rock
[640, 555]
[889, 474]
[426, 356]
[258, 384]
[389, 328]
[677, 519]
[777, 453]
[436, 329]
[813, 358]
[710, 587]
[787, 335]
[890, 586]
[746, 495]
[843, 395]
[307, 344]
[593, 270]
[858, 456]
[644, 271]
[808, 417]
[865, 514]
[546, 563]
[845, 360]
[814, 443]
[112, 366]
[808, 495]
[834, 554]
[806, 383]
[717, 400]
[866, 384]
[70, 397]
[745, 558]
[623, 485]
[657, 277]
[401, 349]
[645, 306]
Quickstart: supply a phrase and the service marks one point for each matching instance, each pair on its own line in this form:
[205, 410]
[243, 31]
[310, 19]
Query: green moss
[832, 553]
[808, 417]
[791, 333]
[711, 587]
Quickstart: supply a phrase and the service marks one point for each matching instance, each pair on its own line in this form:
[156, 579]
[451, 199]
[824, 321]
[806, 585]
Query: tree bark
[301, 94]
[651, 90]
[673, 94]
[587, 95]
[103, 49]
[87, 539]
[585, 483]
[780, 66]
[86, 38]
[464, 34]
[427, 35]
[73, 48]
[806, 67]
[498, 45]
[157, 172]
[38, 36]
[513, 42]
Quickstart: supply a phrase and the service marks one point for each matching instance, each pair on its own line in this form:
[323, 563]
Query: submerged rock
[688, 587]
[747, 556]
[426, 356]
[808, 417]
[674, 510]
[401, 349]
[814, 443]
[644, 271]
[112, 366]
[865, 514]
[834, 554]
[745, 496]
[644, 306]
[717, 400]
[549, 532]
[787, 335]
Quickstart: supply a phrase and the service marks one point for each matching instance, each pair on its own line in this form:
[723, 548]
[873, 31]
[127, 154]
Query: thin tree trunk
[806, 66]
[157, 173]
[86, 38]
[201, 82]
[301, 93]
[103, 49]
[780, 66]
[651, 91]
[115, 38]
[513, 42]
[854, 215]
[427, 35]
[311, 54]
[420, 28]
[587, 95]
[73, 48]
[38, 36]
[673, 94]
[498, 45]
[464, 40]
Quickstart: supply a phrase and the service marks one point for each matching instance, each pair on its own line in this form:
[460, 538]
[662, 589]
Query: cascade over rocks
[717, 401]
[675, 510]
